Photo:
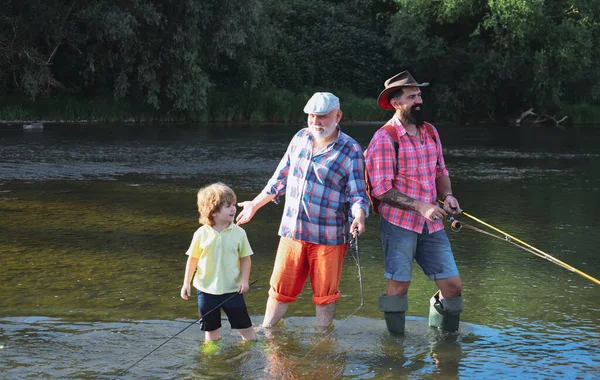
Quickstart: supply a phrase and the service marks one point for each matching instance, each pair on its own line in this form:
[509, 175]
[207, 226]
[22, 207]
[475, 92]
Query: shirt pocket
[408, 161]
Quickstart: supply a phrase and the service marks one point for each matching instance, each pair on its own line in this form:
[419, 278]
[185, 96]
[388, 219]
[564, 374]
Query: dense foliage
[501, 56]
[483, 57]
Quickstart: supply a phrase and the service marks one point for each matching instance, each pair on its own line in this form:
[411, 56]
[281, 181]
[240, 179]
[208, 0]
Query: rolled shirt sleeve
[356, 190]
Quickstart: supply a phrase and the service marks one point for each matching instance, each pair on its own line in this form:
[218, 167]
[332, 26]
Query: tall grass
[583, 114]
[71, 108]
[361, 109]
[13, 112]
[255, 106]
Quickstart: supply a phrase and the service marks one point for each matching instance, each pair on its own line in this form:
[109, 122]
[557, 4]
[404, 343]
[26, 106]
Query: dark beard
[413, 115]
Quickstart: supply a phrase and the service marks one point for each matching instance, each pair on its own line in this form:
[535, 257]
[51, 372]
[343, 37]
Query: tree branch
[539, 118]
[37, 62]
[48, 62]
[524, 115]
[62, 25]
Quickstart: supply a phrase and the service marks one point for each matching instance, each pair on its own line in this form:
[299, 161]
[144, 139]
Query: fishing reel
[455, 225]
[354, 239]
[353, 243]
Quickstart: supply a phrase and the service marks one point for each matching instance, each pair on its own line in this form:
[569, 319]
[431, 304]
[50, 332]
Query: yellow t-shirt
[218, 270]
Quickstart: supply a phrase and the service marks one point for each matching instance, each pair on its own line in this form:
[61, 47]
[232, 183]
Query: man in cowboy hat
[322, 175]
[406, 170]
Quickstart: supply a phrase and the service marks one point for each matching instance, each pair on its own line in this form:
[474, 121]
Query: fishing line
[187, 327]
[354, 244]
[536, 251]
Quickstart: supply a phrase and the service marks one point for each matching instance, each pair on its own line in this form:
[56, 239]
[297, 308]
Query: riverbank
[276, 106]
[268, 106]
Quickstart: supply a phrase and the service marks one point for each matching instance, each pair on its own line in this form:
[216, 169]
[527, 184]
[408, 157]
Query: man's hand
[432, 212]
[451, 205]
[248, 211]
[358, 224]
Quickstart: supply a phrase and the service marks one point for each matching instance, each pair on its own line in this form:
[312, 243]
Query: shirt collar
[230, 227]
[396, 122]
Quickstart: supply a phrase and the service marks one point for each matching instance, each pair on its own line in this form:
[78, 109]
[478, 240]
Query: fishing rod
[456, 225]
[187, 327]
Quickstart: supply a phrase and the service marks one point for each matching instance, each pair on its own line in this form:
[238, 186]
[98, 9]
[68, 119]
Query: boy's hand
[243, 287]
[185, 291]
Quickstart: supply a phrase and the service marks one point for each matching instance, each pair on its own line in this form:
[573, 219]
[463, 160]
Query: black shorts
[235, 308]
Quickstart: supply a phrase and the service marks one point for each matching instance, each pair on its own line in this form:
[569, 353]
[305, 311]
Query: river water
[95, 221]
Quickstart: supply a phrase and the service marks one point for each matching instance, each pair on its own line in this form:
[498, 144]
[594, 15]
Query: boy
[220, 257]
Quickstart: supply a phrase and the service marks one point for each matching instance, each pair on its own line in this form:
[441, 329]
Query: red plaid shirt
[413, 173]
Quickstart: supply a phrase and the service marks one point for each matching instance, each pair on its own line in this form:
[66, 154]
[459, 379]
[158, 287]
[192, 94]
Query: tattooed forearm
[394, 197]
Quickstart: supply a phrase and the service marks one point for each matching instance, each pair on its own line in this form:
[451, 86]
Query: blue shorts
[431, 251]
[235, 308]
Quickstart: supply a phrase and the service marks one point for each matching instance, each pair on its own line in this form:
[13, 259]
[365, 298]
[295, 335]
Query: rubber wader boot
[394, 308]
[445, 313]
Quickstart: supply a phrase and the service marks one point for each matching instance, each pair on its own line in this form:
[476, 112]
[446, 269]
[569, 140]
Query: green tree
[324, 44]
[500, 56]
[161, 53]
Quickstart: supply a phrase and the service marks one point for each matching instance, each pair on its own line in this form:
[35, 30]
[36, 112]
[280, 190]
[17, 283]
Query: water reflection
[446, 351]
[94, 223]
[354, 348]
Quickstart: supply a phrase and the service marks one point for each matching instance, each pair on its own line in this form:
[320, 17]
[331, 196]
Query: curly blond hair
[210, 200]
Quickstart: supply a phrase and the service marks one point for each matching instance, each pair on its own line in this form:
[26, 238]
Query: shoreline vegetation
[492, 62]
[276, 107]
[269, 106]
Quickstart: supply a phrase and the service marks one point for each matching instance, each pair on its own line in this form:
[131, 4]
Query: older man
[407, 172]
[322, 176]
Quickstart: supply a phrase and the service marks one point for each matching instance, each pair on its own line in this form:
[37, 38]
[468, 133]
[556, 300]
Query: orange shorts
[297, 260]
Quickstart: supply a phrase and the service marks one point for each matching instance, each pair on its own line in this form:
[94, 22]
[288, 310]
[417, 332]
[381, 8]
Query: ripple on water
[356, 348]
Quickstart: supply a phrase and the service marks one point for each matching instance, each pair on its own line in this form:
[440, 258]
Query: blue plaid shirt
[321, 190]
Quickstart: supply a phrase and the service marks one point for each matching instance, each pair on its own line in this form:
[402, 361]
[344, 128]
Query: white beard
[321, 132]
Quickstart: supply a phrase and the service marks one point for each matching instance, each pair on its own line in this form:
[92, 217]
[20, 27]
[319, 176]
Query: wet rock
[33, 126]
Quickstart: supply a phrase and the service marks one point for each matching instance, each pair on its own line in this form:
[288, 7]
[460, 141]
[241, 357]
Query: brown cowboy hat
[403, 79]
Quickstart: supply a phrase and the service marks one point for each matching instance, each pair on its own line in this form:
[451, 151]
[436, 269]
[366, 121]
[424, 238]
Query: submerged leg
[445, 313]
[274, 312]
[248, 334]
[394, 309]
[212, 335]
[325, 314]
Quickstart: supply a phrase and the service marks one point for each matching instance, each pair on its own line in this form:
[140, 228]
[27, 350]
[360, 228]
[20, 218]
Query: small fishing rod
[456, 225]
[187, 327]
[354, 244]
